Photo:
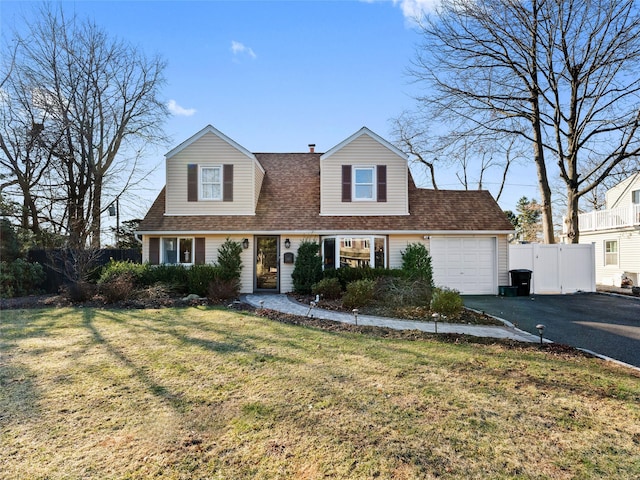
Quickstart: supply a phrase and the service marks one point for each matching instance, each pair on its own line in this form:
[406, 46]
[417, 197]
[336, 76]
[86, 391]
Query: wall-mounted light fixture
[287, 243]
[245, 243]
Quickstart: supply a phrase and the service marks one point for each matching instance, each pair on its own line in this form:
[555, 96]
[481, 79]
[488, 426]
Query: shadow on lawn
[154, 388]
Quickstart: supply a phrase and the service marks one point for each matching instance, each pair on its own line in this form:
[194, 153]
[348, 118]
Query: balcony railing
[609, 219]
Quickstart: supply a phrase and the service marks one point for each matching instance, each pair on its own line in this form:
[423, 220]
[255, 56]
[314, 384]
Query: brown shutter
[200, 251]
[382, 183]
[192, 183]
[154, 250]
[346, 183]
[227, 183]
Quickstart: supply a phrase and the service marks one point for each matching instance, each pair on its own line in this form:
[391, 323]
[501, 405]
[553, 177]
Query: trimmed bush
[136, 272]
[174, 276]
[19, 278]
[229, 260]
[416, 262]
[347, 275]
[359, 294]
[328, 288]
[307, 269]
[446, 301]
[200, 276]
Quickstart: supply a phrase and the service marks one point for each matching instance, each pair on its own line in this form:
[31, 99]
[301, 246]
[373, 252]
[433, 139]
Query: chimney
[312, 147]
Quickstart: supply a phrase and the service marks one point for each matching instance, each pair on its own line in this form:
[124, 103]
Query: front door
[267, 260]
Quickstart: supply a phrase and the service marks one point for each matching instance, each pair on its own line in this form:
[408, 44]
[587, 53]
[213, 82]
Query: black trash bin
[521, 278]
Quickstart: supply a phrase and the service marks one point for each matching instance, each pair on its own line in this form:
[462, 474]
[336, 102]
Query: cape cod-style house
[357, 200]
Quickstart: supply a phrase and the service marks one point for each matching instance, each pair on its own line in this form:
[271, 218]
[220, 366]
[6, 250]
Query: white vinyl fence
[558, 268]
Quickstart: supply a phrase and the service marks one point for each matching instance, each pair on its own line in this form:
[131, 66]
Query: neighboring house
[615, 232]
[358, 201]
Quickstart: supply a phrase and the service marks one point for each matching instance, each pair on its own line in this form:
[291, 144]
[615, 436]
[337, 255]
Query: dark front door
[267, 260]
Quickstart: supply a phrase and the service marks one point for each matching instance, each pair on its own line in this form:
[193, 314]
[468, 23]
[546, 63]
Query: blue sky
[273, 76]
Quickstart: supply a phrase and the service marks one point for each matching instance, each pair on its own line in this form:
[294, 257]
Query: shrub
[346, 275]
[173, 276]
[446, 301]
[229, 259]
[78, 292]
[328, 288]
[223, 289]
[117, 287]
[115, 269]
[307, 268]
[359, 293]
[19, 278]
[402, 291]
[416, 262]
[200, 276]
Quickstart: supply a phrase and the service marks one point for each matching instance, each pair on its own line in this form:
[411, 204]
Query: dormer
[210, 174]
[364, 175]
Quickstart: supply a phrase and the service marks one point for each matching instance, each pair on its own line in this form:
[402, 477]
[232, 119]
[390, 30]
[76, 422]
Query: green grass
[209, 393]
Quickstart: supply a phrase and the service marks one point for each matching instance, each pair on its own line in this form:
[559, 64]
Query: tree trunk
[96, 204]
[571, 220]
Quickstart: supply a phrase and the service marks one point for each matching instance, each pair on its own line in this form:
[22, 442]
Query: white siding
[620, 195]
[145, 248]
[364, 151]
[398, 244]
[503, 260]
[628, 256]
[210, 150]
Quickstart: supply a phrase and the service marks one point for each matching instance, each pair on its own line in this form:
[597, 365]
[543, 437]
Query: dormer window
[364, 182]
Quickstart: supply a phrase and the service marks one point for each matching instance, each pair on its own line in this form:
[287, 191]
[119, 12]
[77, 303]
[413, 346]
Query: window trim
[201, 182]
[606, 254]
[177, 239]
[635, 197]
[373, 185]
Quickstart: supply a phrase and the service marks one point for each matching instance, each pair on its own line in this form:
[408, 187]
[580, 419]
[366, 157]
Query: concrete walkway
[282, 303]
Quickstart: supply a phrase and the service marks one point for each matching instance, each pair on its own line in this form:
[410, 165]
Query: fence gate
[558, 268]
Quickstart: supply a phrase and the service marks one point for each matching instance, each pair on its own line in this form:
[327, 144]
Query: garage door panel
[465, 264]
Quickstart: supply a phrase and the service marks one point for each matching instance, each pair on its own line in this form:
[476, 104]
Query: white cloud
[415, 9]
[240, 49]
[178, 110]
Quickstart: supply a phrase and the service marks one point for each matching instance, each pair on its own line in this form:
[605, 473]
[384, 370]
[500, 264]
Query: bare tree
[470, 157]
[94, 103]
[412, 138]
[557, 74]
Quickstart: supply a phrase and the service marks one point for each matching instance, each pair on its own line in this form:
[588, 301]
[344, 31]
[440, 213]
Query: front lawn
[210, 393]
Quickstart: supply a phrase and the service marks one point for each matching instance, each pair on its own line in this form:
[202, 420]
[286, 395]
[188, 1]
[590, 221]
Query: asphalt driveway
[604, 324]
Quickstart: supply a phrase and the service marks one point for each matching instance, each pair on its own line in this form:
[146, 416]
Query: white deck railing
[608, 219]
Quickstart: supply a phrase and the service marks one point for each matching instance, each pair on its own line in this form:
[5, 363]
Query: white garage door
[465, 264]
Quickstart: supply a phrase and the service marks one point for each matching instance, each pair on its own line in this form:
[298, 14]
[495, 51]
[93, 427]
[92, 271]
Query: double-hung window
[210, 183]
[364, 182]
[611, 252]
[177, 250]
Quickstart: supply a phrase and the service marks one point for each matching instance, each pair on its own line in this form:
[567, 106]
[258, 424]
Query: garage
[466, 264]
